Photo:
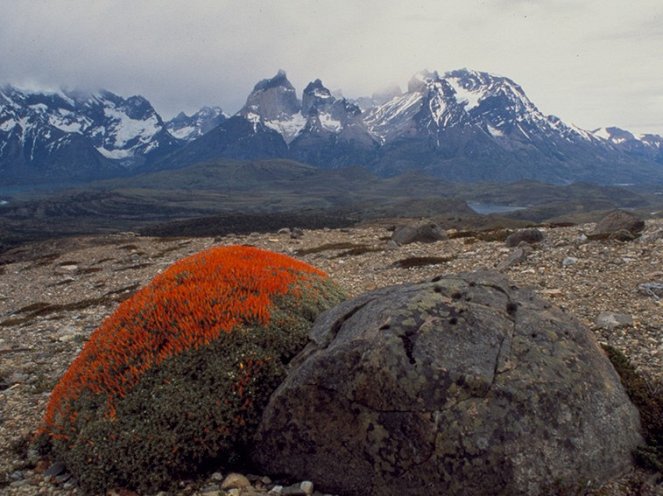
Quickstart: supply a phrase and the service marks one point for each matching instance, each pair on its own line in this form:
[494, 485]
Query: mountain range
[459, 126]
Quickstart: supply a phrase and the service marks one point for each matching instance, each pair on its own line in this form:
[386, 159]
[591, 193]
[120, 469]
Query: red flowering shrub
[178, 376]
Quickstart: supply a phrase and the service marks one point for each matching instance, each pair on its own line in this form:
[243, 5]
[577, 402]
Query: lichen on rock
[460, 385]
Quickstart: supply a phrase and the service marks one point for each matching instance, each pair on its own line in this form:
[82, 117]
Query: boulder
[529, 236]
[517, 255]
[620, 225]
[461, 385]
[422, 233]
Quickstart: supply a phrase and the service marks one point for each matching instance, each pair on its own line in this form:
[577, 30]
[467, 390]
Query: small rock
[609, 320]
[529, 236]
[235, 481]
[283, 230]
[294, 490]
[422, 233]
[517, 256]
[16, 475]
[56, 469]
[296, 233]
[276, 490]
[233, 492]
[62, 478]
[307, 487]
[568, 261]
[651, 237]
[216, 476]
[654, 289]
[212, 491]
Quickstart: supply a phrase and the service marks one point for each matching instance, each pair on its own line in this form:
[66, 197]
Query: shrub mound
[178, 376]
[648, 398]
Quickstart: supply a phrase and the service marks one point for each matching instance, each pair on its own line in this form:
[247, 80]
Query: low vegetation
[648, 398]
[176, 379]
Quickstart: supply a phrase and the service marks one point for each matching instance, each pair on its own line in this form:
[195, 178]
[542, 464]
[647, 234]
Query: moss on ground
[648, 398]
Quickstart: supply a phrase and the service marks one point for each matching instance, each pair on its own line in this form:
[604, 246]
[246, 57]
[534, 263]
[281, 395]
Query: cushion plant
[177, 378]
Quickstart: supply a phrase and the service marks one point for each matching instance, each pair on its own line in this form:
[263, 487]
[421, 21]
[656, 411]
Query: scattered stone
[276, 490]
[392, 245]
[62, 478]
[296, 233]
[529, 236]
[294, 490]
[652, 236]
[421, 233]
[620, 225]
[283, 230]
[582, 239]
[211, 490]
[69, 268]
[654, 289]
[610, 320]
[216, 476]
[307, 487]
[518, 255]
[467, 384]
[54, 470]
[235, 481]
[568, 261]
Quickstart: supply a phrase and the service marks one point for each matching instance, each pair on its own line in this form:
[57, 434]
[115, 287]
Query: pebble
[610, 320]
[568, 261]
[307, 487]
[56, 469]
[235, 481]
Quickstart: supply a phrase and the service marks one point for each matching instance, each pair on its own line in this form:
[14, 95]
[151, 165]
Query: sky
[592, 63]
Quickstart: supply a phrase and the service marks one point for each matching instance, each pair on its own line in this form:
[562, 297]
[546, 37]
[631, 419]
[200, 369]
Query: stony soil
[53, 295]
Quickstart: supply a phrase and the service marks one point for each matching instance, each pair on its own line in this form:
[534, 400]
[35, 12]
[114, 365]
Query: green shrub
[649, 401]
[177, 378]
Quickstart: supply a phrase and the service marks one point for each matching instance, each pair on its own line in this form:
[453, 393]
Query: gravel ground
[55, 294]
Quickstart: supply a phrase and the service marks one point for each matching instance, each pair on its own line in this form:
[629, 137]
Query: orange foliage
[185, 307]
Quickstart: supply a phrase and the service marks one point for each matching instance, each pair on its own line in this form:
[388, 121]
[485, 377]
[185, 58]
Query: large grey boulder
[464, 385]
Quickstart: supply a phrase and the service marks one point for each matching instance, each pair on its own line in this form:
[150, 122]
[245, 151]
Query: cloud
[182, 55]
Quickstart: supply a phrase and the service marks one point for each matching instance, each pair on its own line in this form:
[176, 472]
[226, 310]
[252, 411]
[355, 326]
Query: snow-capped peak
[188, 128]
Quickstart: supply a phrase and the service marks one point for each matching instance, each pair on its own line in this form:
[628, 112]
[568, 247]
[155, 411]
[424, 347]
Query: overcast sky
[591, 62]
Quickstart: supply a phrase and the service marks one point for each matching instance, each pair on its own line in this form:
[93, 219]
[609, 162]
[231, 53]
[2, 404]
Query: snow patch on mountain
[289, 128]
[125, 129]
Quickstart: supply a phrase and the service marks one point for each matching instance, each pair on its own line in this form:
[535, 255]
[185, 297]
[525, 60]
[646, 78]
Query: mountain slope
[459, 126]
[188, 128]
[74, 136]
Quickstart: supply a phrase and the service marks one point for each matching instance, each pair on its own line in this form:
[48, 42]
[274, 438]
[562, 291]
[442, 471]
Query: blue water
[492, 208]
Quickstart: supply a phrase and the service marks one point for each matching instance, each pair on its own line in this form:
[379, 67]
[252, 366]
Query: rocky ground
[54, 294]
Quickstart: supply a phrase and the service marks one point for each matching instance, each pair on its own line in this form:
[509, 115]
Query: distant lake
[492, 208]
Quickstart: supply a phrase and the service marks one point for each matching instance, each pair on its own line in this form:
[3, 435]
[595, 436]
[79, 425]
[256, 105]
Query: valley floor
[54, 294]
